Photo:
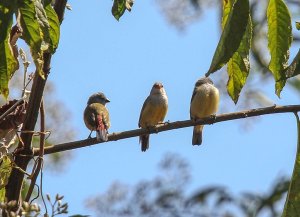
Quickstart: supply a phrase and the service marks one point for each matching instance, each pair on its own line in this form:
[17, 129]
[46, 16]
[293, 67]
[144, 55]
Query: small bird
[96, 116]
[204, 102]
[153, 111]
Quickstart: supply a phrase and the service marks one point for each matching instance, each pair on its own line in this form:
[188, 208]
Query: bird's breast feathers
[154, 111]
[205, 101]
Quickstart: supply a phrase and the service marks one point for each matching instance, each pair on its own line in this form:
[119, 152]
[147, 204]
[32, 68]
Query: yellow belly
[152, 115]
[205, 102]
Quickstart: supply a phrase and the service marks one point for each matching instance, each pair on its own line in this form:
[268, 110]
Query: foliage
[5, 169]
[8, 63]
[279, 40]
[238, 66]
[165, 195]
[294, 67]
[234, 44]
[233, 32]
[40, 29]
[292, 204]
[119, 7]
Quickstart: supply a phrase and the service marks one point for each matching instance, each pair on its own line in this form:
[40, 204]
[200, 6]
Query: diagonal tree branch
[171, 126]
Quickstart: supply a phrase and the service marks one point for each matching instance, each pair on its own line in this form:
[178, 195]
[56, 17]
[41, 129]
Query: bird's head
[98, 98]
[157, 88]
[205, 80]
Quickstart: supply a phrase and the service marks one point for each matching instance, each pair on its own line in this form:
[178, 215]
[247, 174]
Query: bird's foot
[90, 135]
[163, 123]
[213, 118]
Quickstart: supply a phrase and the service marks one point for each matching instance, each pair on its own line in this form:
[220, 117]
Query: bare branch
[171, 126]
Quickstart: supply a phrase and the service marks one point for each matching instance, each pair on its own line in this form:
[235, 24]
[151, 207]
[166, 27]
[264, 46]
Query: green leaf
[227, 5]
[8, 63]
[41, 18]
[232, 35]
[2, 194]
[292, 203]
[5, 169]
[34, 30]
[54, 28]
[279, 40]
[294, 68]
[238, 66]
[32, 33]
[118, 8]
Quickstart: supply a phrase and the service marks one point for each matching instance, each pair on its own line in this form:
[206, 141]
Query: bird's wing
[193, 95]
[105, 116]
[147, 101]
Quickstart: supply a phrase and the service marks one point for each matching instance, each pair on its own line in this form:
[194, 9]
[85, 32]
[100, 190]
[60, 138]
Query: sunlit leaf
[5, 169]
[294, 67]
[232, 35]
[2, 194]
[227, 5]
[238, 66]
[8, 63]
[119, 7]
[279, 40]
[31, 29]
[32, 32]
[292, 203]
[54, 27]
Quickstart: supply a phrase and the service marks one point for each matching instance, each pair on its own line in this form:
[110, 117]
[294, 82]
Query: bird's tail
[101, 131]
[101, 135]
[197, 135]
[144, 140]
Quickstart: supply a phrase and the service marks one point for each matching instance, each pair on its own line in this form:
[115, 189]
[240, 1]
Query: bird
[153, 111]
[204, 103]
[96, 116]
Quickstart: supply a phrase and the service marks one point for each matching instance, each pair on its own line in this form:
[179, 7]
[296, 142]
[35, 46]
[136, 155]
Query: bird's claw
[213, 118]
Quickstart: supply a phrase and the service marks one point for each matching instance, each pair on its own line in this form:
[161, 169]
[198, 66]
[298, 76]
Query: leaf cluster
[37, 24]
[235, 42]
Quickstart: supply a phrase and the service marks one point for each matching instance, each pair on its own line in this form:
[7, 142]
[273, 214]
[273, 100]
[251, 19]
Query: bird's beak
[107, 100]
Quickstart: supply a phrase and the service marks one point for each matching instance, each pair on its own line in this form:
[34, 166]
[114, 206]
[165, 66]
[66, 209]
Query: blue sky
[123, 59]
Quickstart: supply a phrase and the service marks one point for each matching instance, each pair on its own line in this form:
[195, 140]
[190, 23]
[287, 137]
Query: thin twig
[171, 126]
[41, 154]
[20, 169]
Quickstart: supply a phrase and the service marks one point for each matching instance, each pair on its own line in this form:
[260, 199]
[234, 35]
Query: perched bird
[96, 116]
[153, 112]
[204, 102]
